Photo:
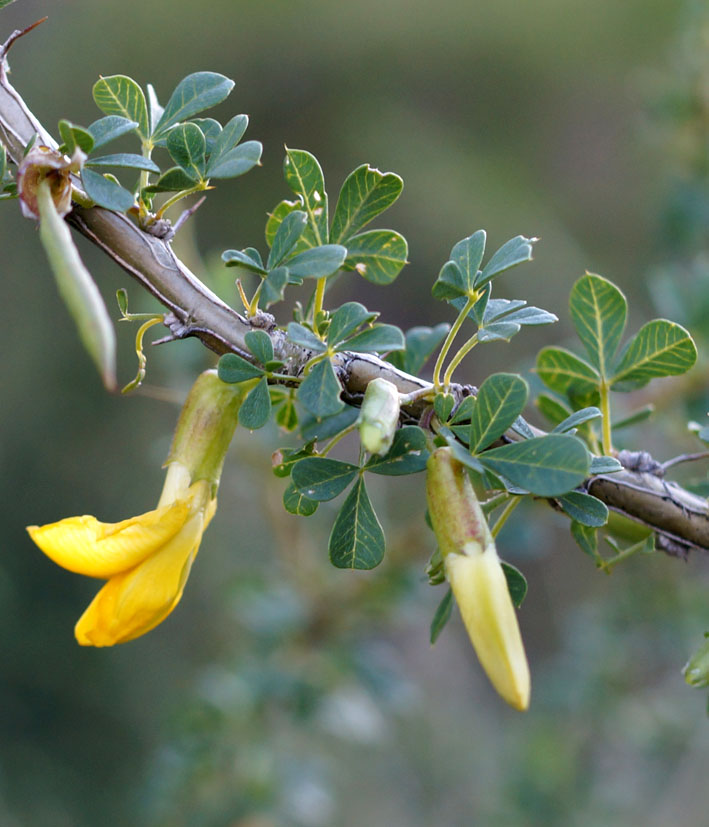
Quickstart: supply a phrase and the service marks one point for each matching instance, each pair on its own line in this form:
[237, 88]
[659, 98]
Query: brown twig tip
[16, 35]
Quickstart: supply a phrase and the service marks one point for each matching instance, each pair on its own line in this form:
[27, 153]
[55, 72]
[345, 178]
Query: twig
[684, 458]
[16, 35]
[197, 311]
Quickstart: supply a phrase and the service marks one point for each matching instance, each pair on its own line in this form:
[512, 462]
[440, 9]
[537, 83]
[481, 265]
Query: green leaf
[273, 286]
[513, 252]
[408, 454]
[287, 457]
[420, 344]
[255, 410]
[192, 94]
[345, 320]
[443, 405]
[289, 231]
[296, 503]
[300, 335]
[640, 415]
[500, 401]
[587, 539]
[498, 331]
[229, 137]
[528, 316]
[319, 429]
[106, 193]
[74, 136]
[450, 283]
[320, 391]
[304, 176]
[599, 311]
[377, 255]
[659, 348]
[174, 179]
[236, 161]
[107, 129]
[4, 3]
[124, 159]
[547, 466]
[379, 338]
[321, 478]
[231, 368]
[577, 418]
[279, 213]
[441, 616]
[553, 409]
[357, 540]
[211, 129]
[604, 465]
[464, 411]
[243, 260]
[121, 95]
[3, 162]
[585, 509]
[365, 194]
[77, 288]
[154, 109]
[319, 262]
[566, 373]
[259, 343]
[516, 583]
[468, 254]
[287, 415]
[187, 147]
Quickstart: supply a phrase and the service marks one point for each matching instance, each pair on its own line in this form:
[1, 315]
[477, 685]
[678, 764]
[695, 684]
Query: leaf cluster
[199, 149]
[599, 313]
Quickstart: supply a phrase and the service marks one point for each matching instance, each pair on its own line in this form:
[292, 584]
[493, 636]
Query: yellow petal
[480, 589]
[134, 602]
[87, 546]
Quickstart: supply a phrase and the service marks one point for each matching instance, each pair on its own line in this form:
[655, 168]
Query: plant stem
[502, 519]
[458, 358]
[606, 411]
[623, 555]
[178, 197]
[337, 438]
[452, 333]
[319, 298]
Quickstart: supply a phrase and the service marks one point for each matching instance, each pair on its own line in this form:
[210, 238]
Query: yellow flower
[146, 559]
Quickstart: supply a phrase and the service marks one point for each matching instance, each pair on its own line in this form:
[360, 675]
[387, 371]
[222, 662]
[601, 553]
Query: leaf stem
[502, 519]
[606, 411]
[178, 197]
[607, 565]
[336, 439]
[142, 359]
[319, 298]
[458, 358]
[452, 333]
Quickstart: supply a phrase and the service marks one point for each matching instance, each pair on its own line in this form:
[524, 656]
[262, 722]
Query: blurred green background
[283, 692]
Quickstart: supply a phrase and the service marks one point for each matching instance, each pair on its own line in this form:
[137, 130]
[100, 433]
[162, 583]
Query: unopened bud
[476, 577]
[379, 416]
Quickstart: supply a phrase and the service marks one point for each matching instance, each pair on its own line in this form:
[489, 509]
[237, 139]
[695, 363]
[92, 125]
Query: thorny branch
[679, 518]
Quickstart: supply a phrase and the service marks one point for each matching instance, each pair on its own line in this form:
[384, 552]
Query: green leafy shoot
[599, 311]
[467, 288]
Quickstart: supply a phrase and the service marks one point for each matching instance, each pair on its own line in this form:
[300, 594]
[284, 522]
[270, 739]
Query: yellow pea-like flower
[477, 580]
[146, 559]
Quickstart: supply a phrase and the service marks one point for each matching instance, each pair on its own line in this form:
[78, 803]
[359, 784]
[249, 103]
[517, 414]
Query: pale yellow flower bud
[476, 577]
[379, 416]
